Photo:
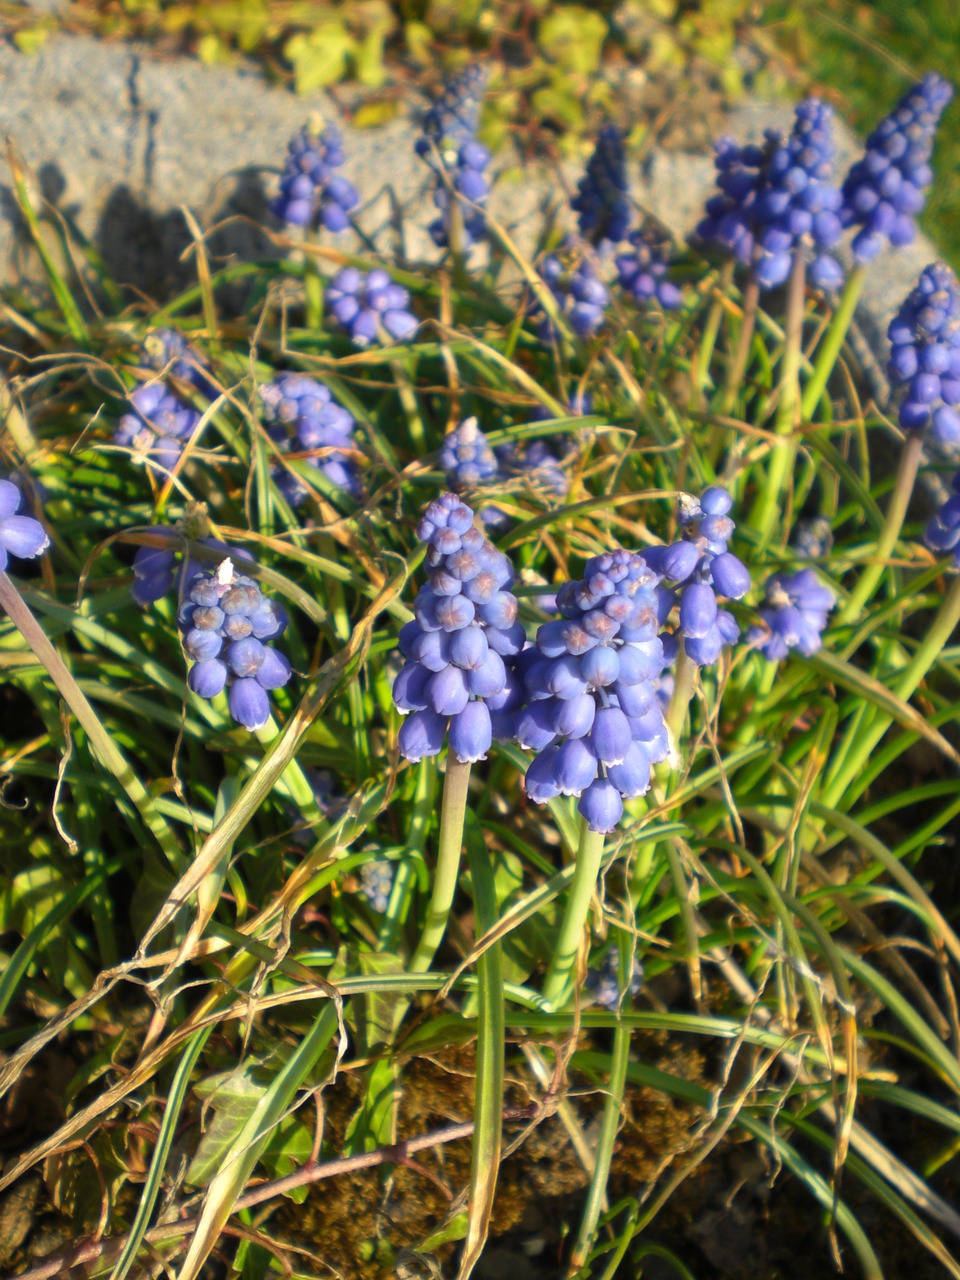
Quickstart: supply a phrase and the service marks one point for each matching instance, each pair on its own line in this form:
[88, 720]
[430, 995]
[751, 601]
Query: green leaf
[573, 37]
[232, 1096]
[320, 58]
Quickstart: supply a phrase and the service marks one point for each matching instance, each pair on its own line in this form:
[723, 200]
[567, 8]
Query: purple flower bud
[698, 610]
[471, 733]
[207, 678]
[421, 734]
[600, 806]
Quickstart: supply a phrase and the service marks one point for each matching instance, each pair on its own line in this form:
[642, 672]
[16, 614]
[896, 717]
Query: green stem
[293, 782]
[610, 1124]
[832, 342]
[685, 673]
[893, 523]
[944, 625]
[455, 787]
[100, 740]
[558, 984]
[738, 366]
[313, 287]
[711, 328]
[782, 459]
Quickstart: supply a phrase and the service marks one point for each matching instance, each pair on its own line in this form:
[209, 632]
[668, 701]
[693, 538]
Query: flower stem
[943, 627]
[684, 686]
[832, 342]
[783, 457]
[893, 523]
[455, 787]
[558, 984]
[313, 287]
[738, 366]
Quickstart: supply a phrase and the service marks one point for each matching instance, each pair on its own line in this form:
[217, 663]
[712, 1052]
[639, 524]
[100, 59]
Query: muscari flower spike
[592, 715]
[370, 306]
[309, 187]
[466, 456]
[602, 983]
[156, 425]
[227, 622]
[943, 532]
[702, 569]
[155, 568]
[167, 351]
[302, 415]
[886, 189]
[21, 535]
[464, 628]
[925, 355]
[641, 273]
[376, 883]
[449, 139]
[794, 615]
[601, 200]
[812, 538]
[582, 296]
[777, 198]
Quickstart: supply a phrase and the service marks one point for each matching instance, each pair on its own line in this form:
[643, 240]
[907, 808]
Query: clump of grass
[251, 932]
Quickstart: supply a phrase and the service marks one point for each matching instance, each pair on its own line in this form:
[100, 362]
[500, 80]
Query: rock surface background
[121, 140]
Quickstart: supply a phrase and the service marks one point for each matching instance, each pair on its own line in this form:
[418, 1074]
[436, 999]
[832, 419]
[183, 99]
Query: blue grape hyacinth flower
[641, 273]
[155, 568]
[227, 623]
[794, 615]
[156, 425]
[370, 306]
[702, 569]
[886, 189]
[449, 142]
[167, 351]
[376, 883]
[925, 355]
[582, 296]
[602, 983]
[777, 198]
[21, 535]
[602, 201]
[943, 532]
[592, 715]
[464, 632]
[301, 415]
[310, 189]
[467, 457]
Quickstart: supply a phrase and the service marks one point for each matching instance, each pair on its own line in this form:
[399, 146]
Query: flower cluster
[301, 413]
[20, 535]
[641, 273]
[887, 188]
[812, 537]
[167, 351]
[537, 463]
[943, 531]
[449, 140]
[370, 306]
[601, 200]
[794, 615]
[777, 197]
[580, 293]
[156, 425]
[602, 983]
[309, 188]
[465, 624]
[592, 716]
[454, 116]
[925, 355]
[226, 622]
[376, 882]
[466, 456]
[154, 568]
[702, 568]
